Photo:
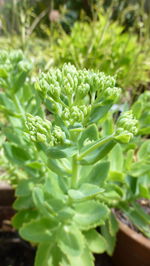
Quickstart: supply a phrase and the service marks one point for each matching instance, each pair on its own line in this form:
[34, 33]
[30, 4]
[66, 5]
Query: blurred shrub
[103, 44]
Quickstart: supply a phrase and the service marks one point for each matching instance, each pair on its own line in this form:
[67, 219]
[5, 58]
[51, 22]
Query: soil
[14, 251]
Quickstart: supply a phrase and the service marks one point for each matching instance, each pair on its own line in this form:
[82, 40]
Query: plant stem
[74, 171]
[95, 146]
[19, 107]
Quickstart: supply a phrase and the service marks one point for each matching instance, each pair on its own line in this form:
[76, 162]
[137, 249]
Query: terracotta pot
[132, 249]
[7, 197]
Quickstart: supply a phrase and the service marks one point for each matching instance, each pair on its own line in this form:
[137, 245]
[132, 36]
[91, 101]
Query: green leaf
[144, 130]
[44, 254]
[13, 134]
[90, 214]
[95, 241]
[48, 254]
[40, 230]
[116, 176]
[71, 240]
[52, 186]
[7, 103]
[61, 152]
[137, 109]
[23, 203]
[139, 218]
[86, 258]
[113, 224]
[35, 164]
[100, 111]
[110, 240]
[143, 186]
[128, 159]
[24, 188]
[15, 154]
[24, 216]
[38, 196]
[116, 158]
[56, 167]
[98, 154]
[3, 73]
[39, 201]
[98, 173]
[144, 151]
[85, 191]
[139, 168]
[90, 133]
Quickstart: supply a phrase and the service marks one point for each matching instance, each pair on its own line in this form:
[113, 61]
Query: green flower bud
[76, 114]
[43, 86]
[39, 129]
[83, 90]
[41, 137]
[112, 93]
[24, 66]
[126, 127]
[54, 90]
[124, 137]
[58, 136]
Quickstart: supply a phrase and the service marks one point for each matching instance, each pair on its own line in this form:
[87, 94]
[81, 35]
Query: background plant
[129, 167]
[17, 96]
[103, 45]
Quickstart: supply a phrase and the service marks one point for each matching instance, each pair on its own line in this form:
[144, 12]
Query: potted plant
[65, 193]
[133, 212]
[130, 167]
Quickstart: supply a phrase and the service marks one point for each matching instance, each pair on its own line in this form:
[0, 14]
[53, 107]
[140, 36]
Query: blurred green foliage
[102, 44]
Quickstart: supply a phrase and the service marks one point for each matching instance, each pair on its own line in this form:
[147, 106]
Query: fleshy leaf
[85, 191]
[61, 152]
[95, 241]
[116, 158]
[86, 258]
[24, 216]
[44, 255]
[90, 133]
[113, 224]
[110, 240]
[39, 230]
[98, 154]
[98, 173]
[71, 240]
[100, 111]
[90, 214]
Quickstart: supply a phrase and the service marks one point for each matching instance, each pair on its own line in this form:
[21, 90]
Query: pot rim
[5, 186]
[138, 237]
[7, 194]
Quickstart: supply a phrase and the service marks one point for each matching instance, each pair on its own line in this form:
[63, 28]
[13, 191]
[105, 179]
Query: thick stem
[19, 107]
[74, 171]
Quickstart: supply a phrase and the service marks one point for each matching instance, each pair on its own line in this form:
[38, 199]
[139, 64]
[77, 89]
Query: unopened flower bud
[126, 127]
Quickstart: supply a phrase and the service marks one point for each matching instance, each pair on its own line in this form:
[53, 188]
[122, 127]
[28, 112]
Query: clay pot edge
[134, 235]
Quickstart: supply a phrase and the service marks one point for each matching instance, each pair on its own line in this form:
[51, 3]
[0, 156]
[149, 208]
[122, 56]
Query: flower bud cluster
[11, 64]
[70, 81]
[112, 93]
[72, 92]
[41, 130]
[58, 136]
[76, 114]
[126, 126]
